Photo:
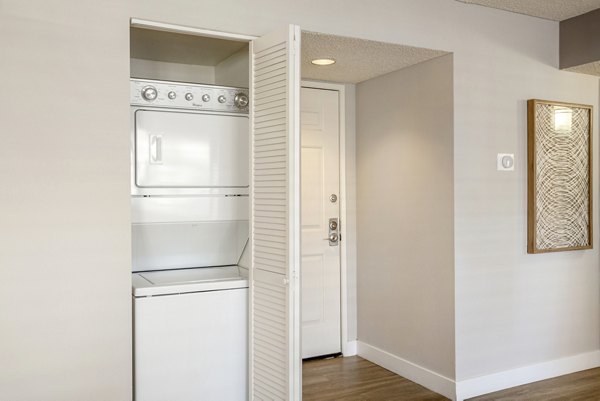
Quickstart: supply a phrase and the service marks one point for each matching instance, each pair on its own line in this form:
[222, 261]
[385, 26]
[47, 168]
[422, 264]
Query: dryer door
[190, 150]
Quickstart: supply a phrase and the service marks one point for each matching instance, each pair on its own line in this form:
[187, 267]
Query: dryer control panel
[179, 95]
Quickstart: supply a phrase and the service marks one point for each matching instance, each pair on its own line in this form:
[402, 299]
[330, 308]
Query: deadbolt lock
[334, 234]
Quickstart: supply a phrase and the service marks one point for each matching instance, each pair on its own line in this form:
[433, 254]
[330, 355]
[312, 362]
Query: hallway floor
[356, 379]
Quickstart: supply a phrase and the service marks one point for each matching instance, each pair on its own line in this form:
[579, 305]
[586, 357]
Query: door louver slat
[274, 356]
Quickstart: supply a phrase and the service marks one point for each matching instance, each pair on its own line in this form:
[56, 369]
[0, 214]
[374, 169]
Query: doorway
[320, 221]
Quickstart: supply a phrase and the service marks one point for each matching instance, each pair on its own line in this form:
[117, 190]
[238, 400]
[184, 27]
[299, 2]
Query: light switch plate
[505, 162]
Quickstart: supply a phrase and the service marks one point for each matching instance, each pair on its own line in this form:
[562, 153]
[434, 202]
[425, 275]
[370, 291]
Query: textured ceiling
[556, 10]
[590, 68]
[356, 59]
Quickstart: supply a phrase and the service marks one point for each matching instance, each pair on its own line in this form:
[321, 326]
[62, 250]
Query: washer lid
[187, 280]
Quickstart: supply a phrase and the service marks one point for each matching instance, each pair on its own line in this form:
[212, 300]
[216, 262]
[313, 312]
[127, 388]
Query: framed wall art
[559, 160]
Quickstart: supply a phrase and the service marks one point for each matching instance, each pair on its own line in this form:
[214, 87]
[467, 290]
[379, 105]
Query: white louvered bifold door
[275, 364]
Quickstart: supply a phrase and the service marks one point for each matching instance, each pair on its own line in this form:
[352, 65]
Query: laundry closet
[215, 197]
[190, 215]
[217, 263]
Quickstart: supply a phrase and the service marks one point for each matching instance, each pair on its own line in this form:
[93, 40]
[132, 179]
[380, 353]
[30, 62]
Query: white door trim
[348, 346]
[189, 30]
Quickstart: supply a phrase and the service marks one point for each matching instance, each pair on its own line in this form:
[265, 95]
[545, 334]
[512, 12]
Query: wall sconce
[563, 120]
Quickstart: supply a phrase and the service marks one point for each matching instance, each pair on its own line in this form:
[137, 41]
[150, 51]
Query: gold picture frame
[559, 176]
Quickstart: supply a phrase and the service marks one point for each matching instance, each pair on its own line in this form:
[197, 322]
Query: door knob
[334, 234]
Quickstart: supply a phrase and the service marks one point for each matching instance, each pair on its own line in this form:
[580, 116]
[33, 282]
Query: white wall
[350, 241]
[404, 136]
[65, 314]
[233, 71]
[64, 258]
[150, 69]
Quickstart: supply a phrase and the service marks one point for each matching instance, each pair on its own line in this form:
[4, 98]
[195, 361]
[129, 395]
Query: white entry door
[319, 124]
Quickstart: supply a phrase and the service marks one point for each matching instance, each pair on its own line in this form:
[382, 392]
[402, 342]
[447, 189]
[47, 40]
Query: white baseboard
[474, 387]
[528, 374]
[409, 370]
[350, 348]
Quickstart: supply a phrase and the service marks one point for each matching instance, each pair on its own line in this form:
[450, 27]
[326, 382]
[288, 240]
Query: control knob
[221, 99]
[149, 93]
[172, 95]
[205, 97]
[241, 100]
[189, 96]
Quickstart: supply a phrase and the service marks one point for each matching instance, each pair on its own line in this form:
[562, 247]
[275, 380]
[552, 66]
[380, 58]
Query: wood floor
[580, 386]
[356, 379]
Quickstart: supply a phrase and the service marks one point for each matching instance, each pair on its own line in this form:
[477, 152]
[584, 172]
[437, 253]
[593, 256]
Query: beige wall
[150, 69]
[406, 214]
[64, 254]
[65, 315]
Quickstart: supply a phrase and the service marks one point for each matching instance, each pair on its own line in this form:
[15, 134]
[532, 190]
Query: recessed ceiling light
[323, 61]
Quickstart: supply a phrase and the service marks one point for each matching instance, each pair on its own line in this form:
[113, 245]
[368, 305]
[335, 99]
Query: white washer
[190, 340]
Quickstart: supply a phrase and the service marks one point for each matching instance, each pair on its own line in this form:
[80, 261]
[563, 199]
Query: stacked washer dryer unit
[190, 215]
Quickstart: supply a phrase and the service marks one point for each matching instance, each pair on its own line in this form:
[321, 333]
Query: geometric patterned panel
[561, 172]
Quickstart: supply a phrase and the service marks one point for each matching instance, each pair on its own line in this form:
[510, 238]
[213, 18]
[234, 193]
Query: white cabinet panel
[191, 347]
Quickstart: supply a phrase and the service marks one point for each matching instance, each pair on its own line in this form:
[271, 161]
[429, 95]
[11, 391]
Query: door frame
[188, 30]
[348, 347]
